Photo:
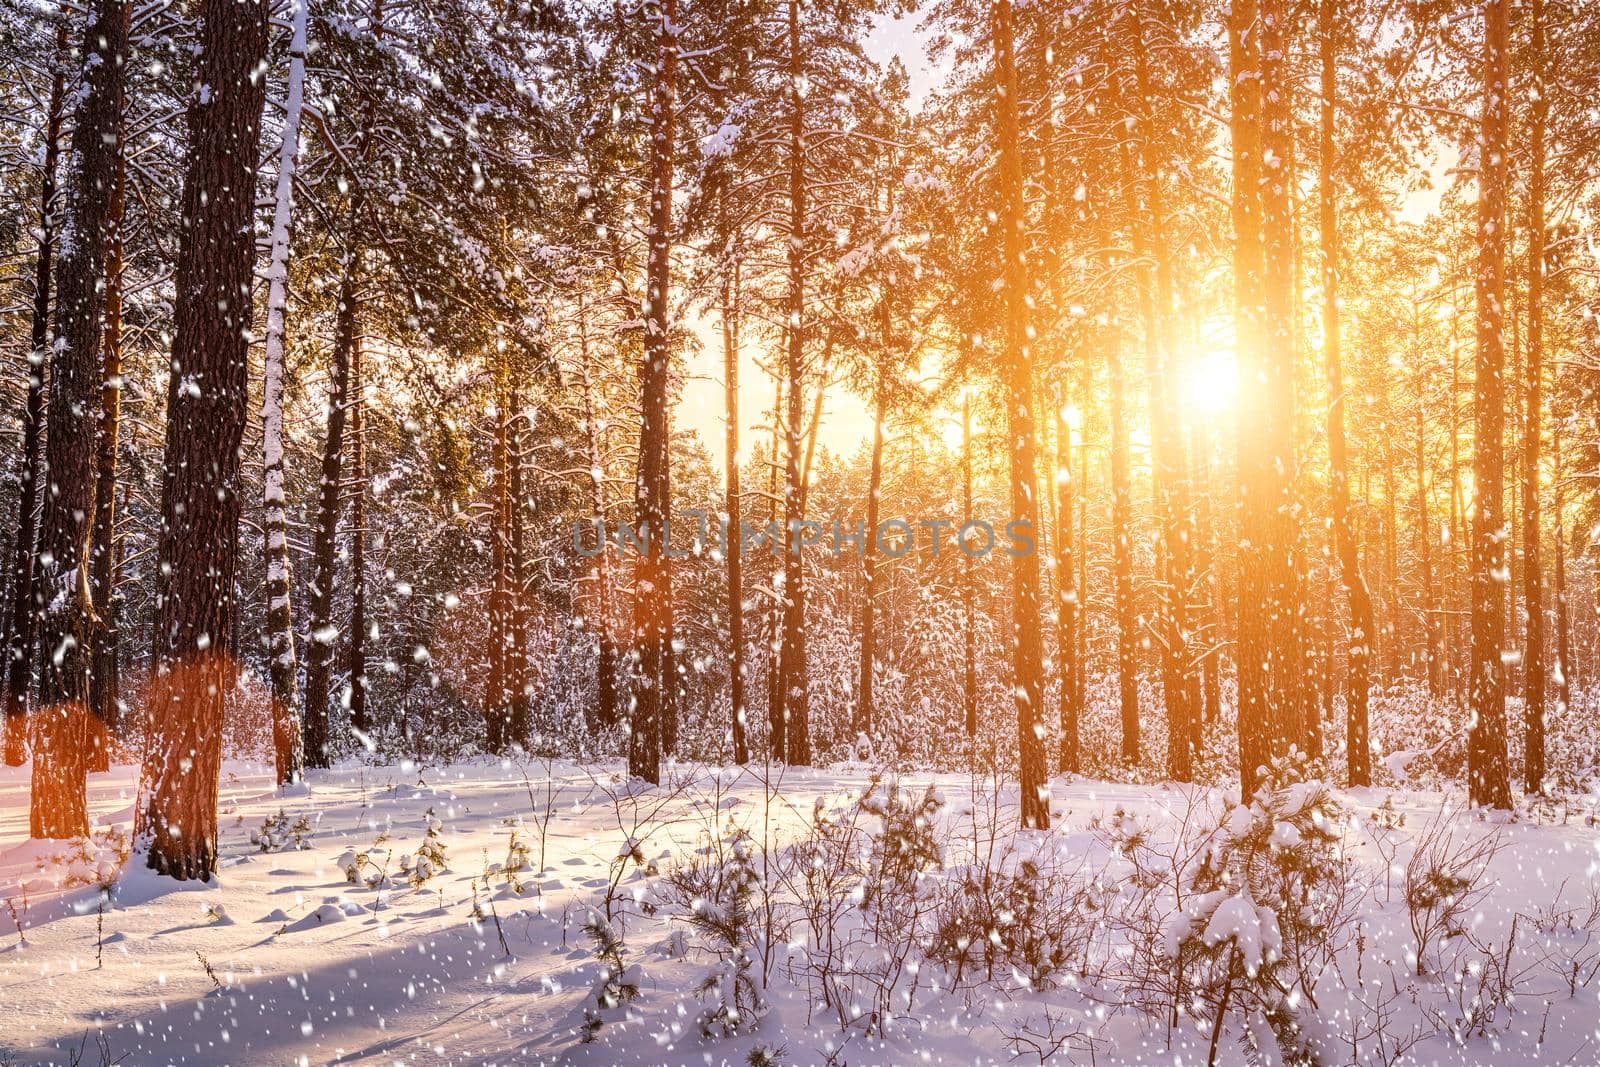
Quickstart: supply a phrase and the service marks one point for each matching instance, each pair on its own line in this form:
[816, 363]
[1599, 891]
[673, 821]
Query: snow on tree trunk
[286, 736]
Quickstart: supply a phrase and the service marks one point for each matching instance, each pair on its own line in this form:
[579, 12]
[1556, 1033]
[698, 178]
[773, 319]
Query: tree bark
[103, 680]
[359, 720]
[24, 605]
[1071, 710]
[734, 542]
[969, 686]
[200, 497]
[652, 577]
[605, 715]
[1127, 611]
[1488, 778]
[1027, 644]
[66, 627]
[324, 551]
[287, 745]
[792, 662]
[1533, 664]
[871, 563]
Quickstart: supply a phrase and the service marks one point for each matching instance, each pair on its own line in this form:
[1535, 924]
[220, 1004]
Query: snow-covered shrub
[616, 984]
[96, 859]
[1264, 910]
[1016, 915]
[361, 867]
[858, 879]
[716, 892]
[1445, 880]
[279, 832]
[429, 858]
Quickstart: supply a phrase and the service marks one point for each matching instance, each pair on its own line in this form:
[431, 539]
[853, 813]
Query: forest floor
[462, 958]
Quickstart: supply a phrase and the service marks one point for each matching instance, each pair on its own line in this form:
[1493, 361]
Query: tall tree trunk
[1432, 652]
[652, 577]
[60, 757]
[969, 680]
[871, 564]
[1122, 558]
[24, 606]
[792, 662]
[1287, 724]
[1564, 662]
[734, 542]
[776, 717]
[103, 681]
[1533, 680]
[496, 693]
[1169, 467]
[1263, 258]
[520, 676]
[1488, 777]
[1026, 638]
[324, 550]
[359, 719]
[200, 493]
[287, 746]
[599, 576]
[1255, 590]
[1071, 711]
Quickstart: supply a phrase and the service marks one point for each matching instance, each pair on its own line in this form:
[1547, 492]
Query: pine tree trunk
[652, 577]
[777, 718]
[1286, 725]
[1433, 659]
[1066, 592]
[497, 691]
[324, 551]
[359, 720]
[1533, 681]
[734, 541]
[200, 498]
[103, 682]
[520, 674]
[870, 565]
[1170, 470]
[792, 660]
[23, 607]
[606, 650]
[969, 686]
[1026, 637]
[1488, 778]
[66, 638]
[1564, 662]
[1127, 611]
[287, 745]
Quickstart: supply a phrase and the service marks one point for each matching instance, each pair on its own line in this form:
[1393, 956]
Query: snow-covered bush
[279, 832]
[361, 867]
[616, 984]
[716, 892]
[429, 858]
[1264, 910]
[1019, 915]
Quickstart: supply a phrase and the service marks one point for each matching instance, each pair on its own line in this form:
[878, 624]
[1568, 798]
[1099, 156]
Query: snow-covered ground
[285, 959]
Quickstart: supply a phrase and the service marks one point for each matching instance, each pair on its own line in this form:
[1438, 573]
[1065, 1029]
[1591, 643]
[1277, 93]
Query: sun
[1210, 382]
